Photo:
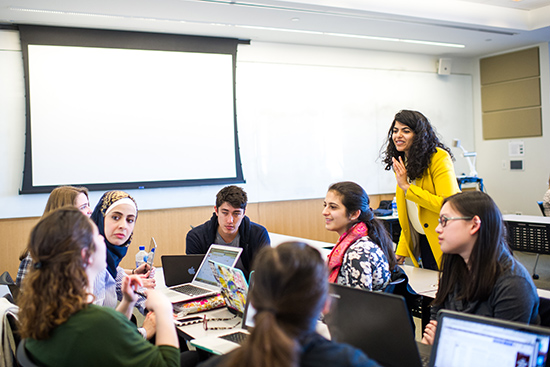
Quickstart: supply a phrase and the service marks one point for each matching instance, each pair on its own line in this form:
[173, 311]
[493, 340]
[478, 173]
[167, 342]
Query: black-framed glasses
[443, 219]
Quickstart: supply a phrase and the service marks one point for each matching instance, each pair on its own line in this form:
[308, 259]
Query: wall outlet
[519, 213]
[504, 164]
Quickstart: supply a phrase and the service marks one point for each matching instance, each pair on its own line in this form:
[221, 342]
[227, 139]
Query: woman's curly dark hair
[424, 144]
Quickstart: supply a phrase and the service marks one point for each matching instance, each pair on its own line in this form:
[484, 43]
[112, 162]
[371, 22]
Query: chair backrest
[393, 284]
[544, 311]
[8, 332]
[400, 285]
[23, 358]
[541, 206]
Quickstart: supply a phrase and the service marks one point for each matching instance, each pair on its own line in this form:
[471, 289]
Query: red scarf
[344, 242]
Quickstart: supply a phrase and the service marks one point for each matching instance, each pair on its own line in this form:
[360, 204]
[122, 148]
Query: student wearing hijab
[115, 215]
[60, 196]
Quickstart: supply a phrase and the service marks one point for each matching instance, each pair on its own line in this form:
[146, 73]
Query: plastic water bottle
[151, 257]
[141, 256]
[394, 207]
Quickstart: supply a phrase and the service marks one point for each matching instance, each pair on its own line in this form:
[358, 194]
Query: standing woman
[479, 275]
[425, 176]
[363, 256]
[289, 292]
[60, 196]
[57, 320]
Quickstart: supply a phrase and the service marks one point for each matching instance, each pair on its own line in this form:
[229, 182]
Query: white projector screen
[113, 115]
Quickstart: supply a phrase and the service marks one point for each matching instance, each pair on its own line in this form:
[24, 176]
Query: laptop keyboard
[237, 337]
[191, 290]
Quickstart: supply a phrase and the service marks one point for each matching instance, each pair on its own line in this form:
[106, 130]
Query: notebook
[204, 284]
[180, 269]
[378, 324]
[229, 341]
[233, 286]
[470, 340]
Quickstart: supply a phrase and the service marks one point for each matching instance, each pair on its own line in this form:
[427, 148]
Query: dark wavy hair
[234, 195]
[490, 254]
[55, 287]
[289, 292]
[424, 144]
[355, 198]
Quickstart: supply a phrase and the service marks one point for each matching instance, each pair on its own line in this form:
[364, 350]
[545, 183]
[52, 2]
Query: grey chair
[23, 357]
[399, 285]
[541, 206]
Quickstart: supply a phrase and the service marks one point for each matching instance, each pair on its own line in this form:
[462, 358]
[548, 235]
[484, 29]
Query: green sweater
[99, 336]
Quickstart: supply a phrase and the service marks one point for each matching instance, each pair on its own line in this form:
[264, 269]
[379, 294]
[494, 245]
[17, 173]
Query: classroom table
[323, 247]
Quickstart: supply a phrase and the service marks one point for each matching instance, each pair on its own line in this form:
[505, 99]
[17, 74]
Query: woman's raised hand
[401, 174]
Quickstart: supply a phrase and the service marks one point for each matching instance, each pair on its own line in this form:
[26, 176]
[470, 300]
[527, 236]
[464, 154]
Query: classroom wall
[169, 227]
[295, 207]
[324, 120]
[515, 191]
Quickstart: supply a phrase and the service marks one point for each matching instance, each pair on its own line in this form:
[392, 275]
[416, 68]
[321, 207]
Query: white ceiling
[482, 26]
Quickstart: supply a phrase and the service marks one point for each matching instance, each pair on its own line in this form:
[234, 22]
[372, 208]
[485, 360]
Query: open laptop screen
[466, 340]
[224, 256]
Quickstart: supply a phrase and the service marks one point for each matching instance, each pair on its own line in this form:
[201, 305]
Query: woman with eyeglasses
[425, 175]
[479, 274]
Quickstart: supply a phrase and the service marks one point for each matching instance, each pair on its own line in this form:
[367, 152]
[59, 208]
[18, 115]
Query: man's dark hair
[234, 195]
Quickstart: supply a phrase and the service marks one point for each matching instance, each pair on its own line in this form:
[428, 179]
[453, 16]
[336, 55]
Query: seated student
[363, 256]
[229, 226]
[479, 275]
[115, 215]
[546, 201]
[57, 319]
[289, 292]
[60, 196]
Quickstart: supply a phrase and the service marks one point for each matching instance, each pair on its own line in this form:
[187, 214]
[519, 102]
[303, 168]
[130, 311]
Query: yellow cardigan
[437, 183]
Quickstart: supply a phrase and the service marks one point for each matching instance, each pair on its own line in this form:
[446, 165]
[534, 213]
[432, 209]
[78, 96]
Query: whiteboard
[304, 127]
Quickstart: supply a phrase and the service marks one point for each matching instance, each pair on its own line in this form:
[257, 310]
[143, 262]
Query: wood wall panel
[301, 218]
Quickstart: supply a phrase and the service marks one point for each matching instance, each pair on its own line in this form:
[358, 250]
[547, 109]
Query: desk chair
[399, 285]
[541, 207]
[535, 275]
[23, 358]
[9, 337]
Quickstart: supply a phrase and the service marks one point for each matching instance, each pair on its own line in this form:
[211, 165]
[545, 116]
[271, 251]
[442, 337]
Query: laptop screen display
[220, 255]
[472, 343]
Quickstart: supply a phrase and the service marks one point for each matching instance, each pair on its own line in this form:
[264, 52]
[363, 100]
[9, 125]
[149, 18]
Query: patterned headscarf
[106, 204]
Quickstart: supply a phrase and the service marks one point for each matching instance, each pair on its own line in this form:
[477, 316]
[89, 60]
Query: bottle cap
[153, 249]
[141, 248]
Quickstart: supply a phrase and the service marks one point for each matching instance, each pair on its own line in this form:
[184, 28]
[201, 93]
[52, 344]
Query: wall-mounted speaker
[444, 66]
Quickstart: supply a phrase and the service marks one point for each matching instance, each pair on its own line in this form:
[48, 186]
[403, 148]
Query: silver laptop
[229, 341]
[475, 341]
[204, 283]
